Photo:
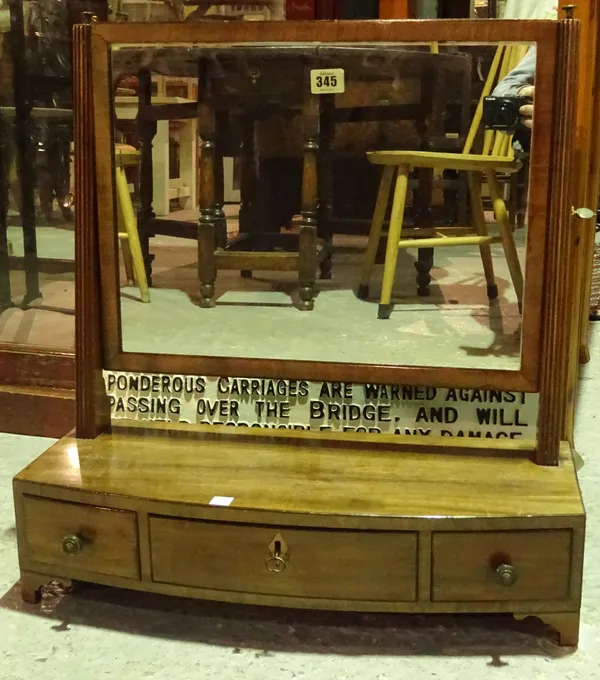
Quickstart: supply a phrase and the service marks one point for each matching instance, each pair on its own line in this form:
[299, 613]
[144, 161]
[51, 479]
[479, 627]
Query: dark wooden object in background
[37, 384]
[25, 151]
[270, 181]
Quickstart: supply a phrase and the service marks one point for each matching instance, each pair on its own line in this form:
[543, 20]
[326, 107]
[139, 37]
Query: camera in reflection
[503, 113]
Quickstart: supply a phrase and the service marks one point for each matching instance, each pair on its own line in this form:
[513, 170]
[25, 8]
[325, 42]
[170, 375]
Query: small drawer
[70, 535]
[501, 566]
[311, 563]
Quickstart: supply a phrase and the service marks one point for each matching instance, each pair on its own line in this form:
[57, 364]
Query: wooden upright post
[586, 180]
[394, 9]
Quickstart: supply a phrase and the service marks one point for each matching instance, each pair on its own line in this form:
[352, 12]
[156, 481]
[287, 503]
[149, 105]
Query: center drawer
[353, 565]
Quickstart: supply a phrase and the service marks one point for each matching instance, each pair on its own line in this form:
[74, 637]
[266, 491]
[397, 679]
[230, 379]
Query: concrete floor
[107, 633]
[254, 318]
[455, 326]
[49, 321]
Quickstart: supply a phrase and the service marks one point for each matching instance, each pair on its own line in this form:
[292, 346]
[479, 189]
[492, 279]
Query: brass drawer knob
[507, 574]
[72, 545]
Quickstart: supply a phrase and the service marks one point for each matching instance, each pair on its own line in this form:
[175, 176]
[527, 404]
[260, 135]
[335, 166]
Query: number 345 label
[327, 81]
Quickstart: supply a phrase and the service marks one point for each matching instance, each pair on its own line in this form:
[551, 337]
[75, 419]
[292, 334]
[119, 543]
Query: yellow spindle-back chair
[128, 234]
[497, 156]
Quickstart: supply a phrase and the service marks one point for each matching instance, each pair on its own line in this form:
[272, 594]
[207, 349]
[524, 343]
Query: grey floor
[105, 633]
[457, 326]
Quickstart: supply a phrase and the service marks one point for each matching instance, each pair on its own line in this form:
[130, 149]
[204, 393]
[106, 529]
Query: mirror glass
[37, 235]
[354, 203]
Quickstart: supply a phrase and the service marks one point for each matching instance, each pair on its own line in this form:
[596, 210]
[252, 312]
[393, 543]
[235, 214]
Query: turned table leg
[147, 131]
[308, 230]
[325, 182]
[422, 198]
[220, 219]
[5, 292]
[207, 265]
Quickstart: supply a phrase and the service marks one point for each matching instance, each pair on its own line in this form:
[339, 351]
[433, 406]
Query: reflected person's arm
[521, 82]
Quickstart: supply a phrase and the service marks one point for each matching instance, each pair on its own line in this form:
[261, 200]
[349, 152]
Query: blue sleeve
[523, 74]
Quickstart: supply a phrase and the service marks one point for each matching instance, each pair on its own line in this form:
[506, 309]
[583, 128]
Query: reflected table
[255, 103]
[24, 155]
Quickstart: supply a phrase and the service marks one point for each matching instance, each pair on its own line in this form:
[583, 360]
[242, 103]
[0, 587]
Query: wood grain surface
[308, 477]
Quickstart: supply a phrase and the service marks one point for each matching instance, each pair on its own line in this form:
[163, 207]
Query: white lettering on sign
[327, 81]
[333, 406]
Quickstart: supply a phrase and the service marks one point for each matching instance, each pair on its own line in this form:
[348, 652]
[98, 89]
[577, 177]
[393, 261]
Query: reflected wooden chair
[496, 157]
[129, 237]
[258, 10]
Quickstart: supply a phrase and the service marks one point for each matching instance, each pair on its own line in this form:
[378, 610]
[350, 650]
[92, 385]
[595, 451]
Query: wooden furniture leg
[248, 183]
[220, 219]
[31, 585]
[474, 183]
[5, 293]
[127, 261]
[147, 130]
[431, 121]
[23, 130]
[128, 233]
[310, 197]
[394, 234]
[508, 242]
[422, 209]
[207, 265]
[566, 624]
[424, 265]
[325, 178]
[375, 232]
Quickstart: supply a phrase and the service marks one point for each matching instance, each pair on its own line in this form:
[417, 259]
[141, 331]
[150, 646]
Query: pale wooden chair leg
[394, 234]
[375, 232]
[127, 259]
[474, 181]
[125, 249]
[508, 241]
[133, 237]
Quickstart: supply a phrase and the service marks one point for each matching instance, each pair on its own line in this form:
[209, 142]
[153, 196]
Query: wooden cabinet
[393, 533]
[314, 518]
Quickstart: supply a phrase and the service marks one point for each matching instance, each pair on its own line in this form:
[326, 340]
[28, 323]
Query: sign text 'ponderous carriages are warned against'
[304, 405]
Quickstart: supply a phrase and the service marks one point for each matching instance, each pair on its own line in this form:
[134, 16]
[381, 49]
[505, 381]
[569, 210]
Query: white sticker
[327, 81]
[222, 500]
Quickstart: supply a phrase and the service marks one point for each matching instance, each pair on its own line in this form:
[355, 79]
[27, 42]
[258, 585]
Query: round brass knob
[507, 574]
[569, 10]
[276, 564]
[72, 545]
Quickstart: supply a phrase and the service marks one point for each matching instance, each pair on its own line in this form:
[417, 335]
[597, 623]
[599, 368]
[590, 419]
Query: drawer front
[353, 565]
[501, 566]
[70, 535]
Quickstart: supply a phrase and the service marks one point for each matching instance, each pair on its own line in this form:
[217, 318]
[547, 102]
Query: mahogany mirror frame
[549, 282]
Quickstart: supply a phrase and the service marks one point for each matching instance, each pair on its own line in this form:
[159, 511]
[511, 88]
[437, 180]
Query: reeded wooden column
[308, 230]
[207, 268]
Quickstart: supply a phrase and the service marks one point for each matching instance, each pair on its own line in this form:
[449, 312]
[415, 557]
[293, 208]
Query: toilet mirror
[274, 203]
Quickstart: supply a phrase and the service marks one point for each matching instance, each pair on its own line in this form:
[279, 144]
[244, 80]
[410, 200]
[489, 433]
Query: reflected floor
[254, 318]
[50, 320]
